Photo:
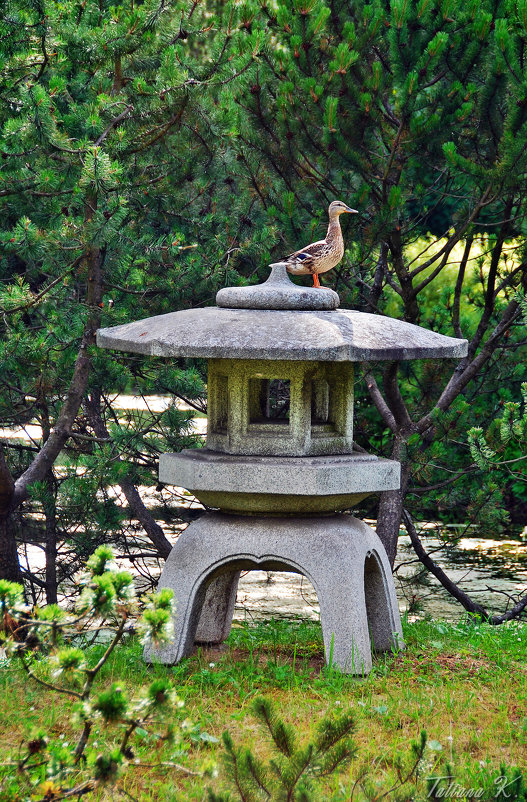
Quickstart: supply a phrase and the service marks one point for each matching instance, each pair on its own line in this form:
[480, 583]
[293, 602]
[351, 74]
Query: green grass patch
[465, 684]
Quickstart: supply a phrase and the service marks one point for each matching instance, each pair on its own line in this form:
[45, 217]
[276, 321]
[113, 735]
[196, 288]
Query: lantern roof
[279, 320]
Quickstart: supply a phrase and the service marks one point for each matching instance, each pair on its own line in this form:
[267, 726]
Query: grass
[465, 684]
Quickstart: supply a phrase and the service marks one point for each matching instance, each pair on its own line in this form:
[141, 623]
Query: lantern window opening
[269, 400]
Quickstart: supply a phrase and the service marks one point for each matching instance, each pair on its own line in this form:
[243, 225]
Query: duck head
[337, 208]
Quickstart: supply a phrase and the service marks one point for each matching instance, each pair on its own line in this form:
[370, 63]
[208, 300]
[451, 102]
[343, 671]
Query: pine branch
[113, 124]
[49, 685]
[395, 400]
[377, 398]
[62, 429]
[331, 731]
[459, 286]
[149, 524]
[282, 735]
[468, 370]
[37, 298]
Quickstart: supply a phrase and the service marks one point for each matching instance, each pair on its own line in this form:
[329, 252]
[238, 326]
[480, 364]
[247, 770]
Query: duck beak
[350, 211]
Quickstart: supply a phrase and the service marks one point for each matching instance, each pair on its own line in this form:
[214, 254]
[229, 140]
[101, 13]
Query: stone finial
[278, 292]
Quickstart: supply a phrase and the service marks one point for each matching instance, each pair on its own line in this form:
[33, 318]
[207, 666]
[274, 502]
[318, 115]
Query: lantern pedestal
[341, 555]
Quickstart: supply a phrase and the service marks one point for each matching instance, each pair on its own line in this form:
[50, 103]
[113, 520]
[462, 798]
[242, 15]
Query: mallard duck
[321, 256]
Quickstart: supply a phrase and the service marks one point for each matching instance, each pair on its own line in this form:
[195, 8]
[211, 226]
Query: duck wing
[309, 256]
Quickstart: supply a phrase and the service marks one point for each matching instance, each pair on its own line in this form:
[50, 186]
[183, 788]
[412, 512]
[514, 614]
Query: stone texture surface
[341, 556]
[273, 504]
[278, 484]
[278, 292]
[339, 336]
[218, 608]
[320, 414]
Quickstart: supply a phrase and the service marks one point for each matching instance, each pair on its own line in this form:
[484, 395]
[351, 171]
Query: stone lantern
[279, 471]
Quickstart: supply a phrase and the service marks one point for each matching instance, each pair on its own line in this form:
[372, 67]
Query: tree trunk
[396, 417]
[390, 511]
[389, 521]
[50, 511]
[9, 565]
[469, 604]
[13, 494]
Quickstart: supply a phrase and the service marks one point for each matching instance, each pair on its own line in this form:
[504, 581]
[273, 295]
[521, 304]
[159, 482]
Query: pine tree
[295, 771]
[111, 178]
[416, 114]
[151, 152]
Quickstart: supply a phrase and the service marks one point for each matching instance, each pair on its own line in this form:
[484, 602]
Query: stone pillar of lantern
[279, 468]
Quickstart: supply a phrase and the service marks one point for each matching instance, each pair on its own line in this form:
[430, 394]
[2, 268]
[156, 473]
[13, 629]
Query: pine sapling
[295, 770]
[48, 768]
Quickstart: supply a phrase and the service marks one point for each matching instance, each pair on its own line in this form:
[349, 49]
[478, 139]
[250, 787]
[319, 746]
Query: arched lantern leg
[331, 551]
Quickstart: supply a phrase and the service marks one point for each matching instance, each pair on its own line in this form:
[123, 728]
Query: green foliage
[294, 772]
[110, 176]
[501, 450]
[111, 704]
[101, 561]
[509, 429]
[430, 685]
[384, 106]
[153, 153]
[59, 769]
[11, 598]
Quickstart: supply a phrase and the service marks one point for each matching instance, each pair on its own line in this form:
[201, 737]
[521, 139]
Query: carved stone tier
[282, 408]
[278, 292]
[340, 336]
[278, 485]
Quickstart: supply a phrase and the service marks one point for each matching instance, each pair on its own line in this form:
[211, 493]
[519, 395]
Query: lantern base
[342, 556]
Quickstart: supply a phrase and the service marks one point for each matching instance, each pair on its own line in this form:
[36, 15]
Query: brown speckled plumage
[321, 256]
